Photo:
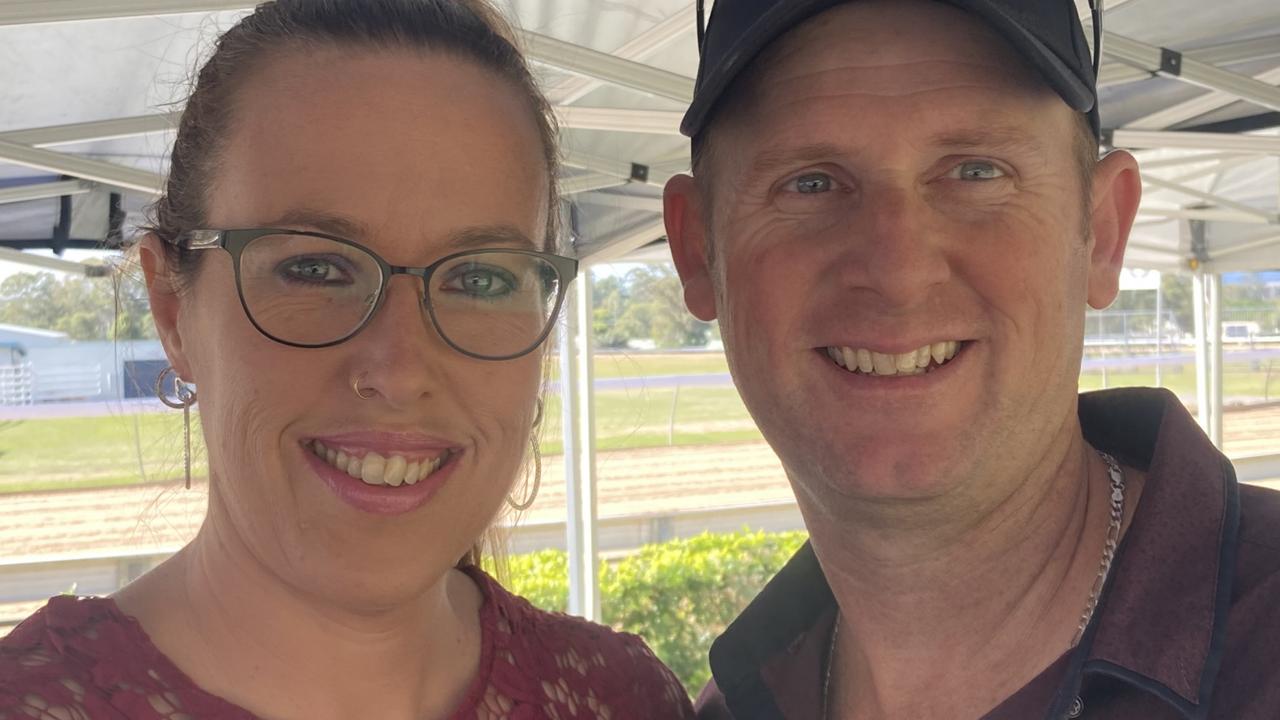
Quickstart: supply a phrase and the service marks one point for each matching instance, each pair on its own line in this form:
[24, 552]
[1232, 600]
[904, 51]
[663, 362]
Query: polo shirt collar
[1161, 624]
[1162, 627]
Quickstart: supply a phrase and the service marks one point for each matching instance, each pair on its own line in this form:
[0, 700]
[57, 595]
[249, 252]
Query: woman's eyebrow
[323, 221]
[490, 235]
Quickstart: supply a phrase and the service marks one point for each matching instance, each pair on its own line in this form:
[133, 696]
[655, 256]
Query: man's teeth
[916, 362]
[374, 469]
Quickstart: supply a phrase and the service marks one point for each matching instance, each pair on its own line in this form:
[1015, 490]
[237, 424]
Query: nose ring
[362, 394]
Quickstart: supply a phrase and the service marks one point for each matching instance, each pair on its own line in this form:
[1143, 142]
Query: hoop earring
[537, 478]
[184, 396]
[355, 385]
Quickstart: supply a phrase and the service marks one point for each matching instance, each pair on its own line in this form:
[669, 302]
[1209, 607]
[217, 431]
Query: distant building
[45, 366]
[26, 339]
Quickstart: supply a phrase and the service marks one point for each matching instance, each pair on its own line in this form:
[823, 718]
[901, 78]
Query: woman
[336, 158]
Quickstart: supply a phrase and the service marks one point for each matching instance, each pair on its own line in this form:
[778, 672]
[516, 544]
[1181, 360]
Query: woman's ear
[162, 291]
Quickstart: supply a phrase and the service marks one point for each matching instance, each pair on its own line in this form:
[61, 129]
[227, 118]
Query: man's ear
[1117, 191]
[682, 208]
[162, 290]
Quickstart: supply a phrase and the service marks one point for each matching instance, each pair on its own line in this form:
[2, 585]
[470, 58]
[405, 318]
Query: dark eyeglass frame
[234, 241]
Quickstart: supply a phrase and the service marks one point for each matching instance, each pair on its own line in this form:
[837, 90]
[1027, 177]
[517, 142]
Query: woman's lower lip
[381, 499]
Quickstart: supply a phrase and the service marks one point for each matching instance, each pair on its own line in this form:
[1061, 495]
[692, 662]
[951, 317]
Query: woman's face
[404, 153]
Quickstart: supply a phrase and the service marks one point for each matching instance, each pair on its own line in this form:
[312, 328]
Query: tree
[104, 308]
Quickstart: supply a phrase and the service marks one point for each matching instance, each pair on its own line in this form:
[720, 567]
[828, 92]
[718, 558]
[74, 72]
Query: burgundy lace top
[83, 659]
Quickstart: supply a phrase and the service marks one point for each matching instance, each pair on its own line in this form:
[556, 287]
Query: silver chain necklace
[1104, 569]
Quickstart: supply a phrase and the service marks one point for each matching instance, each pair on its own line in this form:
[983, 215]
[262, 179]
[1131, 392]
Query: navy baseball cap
[1048, 33]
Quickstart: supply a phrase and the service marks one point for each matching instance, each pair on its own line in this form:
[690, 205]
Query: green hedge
[677, 595]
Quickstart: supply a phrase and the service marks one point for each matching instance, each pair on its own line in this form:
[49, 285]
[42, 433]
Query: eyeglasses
[312, 290]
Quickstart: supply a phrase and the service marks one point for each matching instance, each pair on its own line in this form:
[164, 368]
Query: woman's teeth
[375, 469]
[916, 362]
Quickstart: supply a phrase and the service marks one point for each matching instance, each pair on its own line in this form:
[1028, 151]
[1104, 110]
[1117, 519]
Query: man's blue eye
[813, 183]
[976, 170]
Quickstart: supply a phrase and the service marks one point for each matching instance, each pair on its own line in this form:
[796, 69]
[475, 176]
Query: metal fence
[16, 384]
[25, 385]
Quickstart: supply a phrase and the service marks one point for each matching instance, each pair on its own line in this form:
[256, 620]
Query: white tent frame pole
[1198, 308]
[95, 170]
[91, 131]
[1172, 139]
[1191, 160]
[44, 11]
[1201, 214]
[1216, 168]
[620, 244]
[1188, 69]
[1247, 247]
[638, 48]
[607, 68]
[1214, 323]
[587, 183]
[43, 191]
[655, 122]
[1218, 200]
[1263, 48]
[51, 263]
[578, 420]
[1196, 107]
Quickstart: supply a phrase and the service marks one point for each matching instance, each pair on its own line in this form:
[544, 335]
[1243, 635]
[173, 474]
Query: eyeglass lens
[309, 290]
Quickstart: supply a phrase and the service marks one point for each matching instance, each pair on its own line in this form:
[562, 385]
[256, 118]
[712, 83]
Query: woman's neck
[246, 634]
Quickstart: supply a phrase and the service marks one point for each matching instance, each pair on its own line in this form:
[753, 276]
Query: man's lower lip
[380, 499]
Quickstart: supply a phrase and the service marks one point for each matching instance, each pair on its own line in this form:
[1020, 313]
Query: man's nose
[893, 247]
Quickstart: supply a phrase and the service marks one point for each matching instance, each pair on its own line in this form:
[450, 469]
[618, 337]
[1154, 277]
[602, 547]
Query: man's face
[898, 182]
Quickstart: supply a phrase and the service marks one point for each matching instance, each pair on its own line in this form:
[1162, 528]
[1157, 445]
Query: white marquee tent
[88, 88]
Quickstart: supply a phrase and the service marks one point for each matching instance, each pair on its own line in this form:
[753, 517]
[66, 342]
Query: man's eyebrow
[491, 236]
[769, 161]
[323, 221]
[995, 138]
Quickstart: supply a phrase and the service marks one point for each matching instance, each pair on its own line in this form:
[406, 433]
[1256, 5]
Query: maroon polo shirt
[1189, 622]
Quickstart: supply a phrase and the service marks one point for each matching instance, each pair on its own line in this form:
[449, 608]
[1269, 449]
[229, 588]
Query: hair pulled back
[468, 29]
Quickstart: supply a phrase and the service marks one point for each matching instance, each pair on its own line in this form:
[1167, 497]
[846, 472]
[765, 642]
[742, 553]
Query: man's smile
[862, 361]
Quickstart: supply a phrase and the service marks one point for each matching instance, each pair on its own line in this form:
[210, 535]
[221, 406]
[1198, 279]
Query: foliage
[678, 595]
[645, 303]
[106, 308]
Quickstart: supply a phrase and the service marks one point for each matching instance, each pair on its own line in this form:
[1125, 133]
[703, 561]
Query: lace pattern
[82, 659]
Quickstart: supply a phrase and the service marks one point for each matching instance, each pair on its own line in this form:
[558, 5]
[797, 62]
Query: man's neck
[964, 604]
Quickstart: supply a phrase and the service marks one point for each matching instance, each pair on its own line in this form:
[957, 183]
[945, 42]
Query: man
[898, 217]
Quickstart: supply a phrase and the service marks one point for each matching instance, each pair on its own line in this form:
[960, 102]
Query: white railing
[16, 384]
[64, 384]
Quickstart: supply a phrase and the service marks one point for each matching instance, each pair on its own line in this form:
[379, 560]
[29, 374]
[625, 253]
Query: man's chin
[879, 470]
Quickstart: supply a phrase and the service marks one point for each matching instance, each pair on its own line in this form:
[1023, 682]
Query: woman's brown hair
[468, 29]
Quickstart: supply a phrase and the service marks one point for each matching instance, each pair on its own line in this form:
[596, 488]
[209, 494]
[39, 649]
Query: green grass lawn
[128, 449]
[1238, 380]
[624, 364]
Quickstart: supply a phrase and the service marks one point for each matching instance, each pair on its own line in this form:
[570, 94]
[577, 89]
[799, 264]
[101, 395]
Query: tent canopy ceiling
[89, 95]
